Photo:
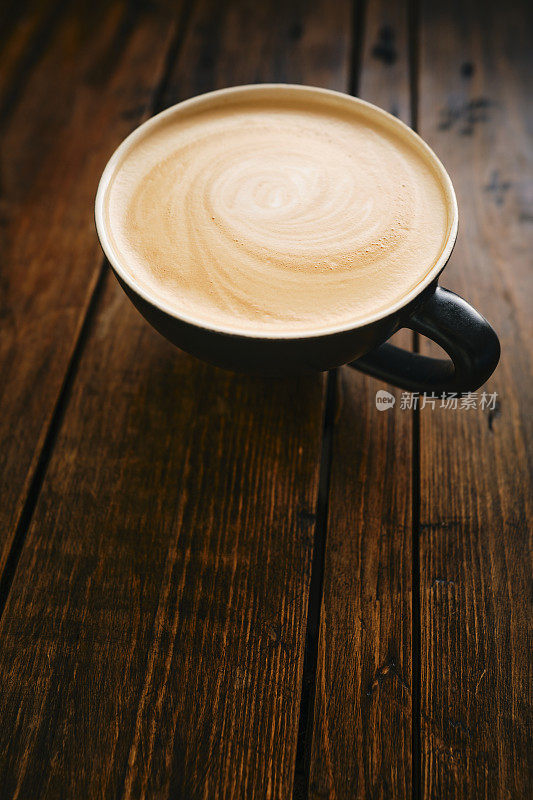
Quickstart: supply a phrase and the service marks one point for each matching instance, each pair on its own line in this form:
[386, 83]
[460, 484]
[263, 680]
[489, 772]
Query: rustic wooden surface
[476, 109]
[219, 586]
[74, 82]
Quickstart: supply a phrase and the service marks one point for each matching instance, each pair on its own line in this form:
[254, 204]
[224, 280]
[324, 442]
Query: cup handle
[452, 323]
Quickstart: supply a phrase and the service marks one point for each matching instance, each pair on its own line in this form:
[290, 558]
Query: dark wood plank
[476, 110]
[24, 28]
[81, 77]
[152, 642]
[362, 736]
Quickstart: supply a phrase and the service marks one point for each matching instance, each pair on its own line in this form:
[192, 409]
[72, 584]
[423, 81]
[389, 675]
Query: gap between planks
[302, 769]
[413, 27]
[309, 673]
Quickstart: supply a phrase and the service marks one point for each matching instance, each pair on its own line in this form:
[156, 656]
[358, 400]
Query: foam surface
[264, 215]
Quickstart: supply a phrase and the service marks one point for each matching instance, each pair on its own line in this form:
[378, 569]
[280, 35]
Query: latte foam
[277, 212]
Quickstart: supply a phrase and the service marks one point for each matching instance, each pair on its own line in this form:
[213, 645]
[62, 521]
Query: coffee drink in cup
[277, 213]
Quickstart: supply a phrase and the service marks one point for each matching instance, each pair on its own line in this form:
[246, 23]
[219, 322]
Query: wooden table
[222, 586]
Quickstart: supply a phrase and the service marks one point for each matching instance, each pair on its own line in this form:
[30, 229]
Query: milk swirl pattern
[267, 217]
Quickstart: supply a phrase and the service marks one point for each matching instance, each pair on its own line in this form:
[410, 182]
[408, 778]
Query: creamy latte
[283, 210]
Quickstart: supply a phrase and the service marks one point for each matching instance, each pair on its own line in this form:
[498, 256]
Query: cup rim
[267, 88]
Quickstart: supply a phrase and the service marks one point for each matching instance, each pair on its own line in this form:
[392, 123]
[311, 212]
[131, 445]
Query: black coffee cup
[468, 339]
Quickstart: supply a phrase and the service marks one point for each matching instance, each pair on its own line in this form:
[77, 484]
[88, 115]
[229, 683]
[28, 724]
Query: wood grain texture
[152, 642]
[153, 635]
[153, 638]
[24, 31]
[81, 75]
[362, 736]
[476, 110]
